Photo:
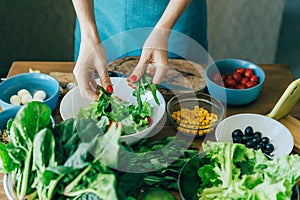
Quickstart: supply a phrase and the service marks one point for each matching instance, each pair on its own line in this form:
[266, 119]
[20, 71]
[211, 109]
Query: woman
[128, 22]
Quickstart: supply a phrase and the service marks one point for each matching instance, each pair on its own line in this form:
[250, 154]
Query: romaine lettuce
[237, 172]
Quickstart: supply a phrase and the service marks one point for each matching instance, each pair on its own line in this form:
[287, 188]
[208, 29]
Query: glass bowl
[195, 114]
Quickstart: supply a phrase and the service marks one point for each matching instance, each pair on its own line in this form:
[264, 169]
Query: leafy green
[132, 118]
[141, 87]
[233, 171]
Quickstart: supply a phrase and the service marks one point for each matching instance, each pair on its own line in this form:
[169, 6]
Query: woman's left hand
[154, 57]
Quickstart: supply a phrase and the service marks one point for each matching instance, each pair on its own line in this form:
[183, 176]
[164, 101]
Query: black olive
[236, 139]
[265, 140]
[108, 108]
[269, 147]
[255, 140]
[237, 132]
[257, 134]
[260, 145]
[245, 138]
[249, 144]
[249, 130]
[267, 152]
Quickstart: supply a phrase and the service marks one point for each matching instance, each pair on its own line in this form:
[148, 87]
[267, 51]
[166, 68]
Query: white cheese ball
[27, 98]
[23, 92]
[40, 94]
[15, 100]
[37, 99]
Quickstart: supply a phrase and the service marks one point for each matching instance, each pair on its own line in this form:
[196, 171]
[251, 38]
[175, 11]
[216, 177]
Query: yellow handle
[289, 98]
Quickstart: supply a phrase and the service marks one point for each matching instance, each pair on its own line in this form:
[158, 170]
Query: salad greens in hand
[233, 171]
[110, 108]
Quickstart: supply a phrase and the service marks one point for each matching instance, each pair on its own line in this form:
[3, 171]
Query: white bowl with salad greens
[137, 110]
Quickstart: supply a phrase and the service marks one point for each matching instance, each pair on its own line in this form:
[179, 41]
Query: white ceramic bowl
[278, 134]
[72, 102]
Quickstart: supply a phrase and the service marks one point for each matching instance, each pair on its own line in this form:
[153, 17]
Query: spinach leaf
[29, 120]
[42, 158]
[141, 87]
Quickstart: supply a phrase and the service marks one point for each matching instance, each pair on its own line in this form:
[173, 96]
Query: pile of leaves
[76, 159]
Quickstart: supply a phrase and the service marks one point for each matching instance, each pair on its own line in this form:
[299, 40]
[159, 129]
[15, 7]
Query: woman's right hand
[91, 60]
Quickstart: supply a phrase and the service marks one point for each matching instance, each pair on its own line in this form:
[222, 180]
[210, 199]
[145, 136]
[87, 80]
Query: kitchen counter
[278, 77]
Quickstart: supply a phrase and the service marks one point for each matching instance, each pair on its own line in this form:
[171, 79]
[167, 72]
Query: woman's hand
[155, 50]
[154, 57]
[91, 60]
[92, 57]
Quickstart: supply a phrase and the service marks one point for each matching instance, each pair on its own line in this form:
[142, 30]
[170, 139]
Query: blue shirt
[124, 25]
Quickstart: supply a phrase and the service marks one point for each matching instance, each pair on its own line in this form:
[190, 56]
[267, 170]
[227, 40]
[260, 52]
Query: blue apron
[124, 25]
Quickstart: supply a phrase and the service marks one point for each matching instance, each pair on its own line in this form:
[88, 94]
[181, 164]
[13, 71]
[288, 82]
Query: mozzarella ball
[40, 94]
[37, 99]
[27, 98]
[15, 100]
[23, 92]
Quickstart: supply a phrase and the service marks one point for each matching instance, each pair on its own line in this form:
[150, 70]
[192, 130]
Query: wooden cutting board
[282, 108]
[293, 125]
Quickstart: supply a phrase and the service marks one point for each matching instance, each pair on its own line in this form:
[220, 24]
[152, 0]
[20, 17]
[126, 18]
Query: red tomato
[244, 80]
[240, 86]
[298, 183]
[237, 76]
[254, 78]
[229, 76]
[149, 120]
[240, 70]
[230, 83]
[249, 72]
[250, 84]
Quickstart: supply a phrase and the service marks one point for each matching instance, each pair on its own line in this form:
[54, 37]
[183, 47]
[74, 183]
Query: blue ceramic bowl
[10, 113]
[32, 82]
[232, 96]
[6, 115]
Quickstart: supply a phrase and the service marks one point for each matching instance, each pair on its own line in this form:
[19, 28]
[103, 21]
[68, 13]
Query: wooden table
[278, 77]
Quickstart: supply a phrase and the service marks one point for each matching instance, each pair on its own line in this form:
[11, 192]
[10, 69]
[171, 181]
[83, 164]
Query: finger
[105, 80]
[138, 71]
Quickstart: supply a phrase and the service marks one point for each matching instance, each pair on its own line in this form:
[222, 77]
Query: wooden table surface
[278, 77]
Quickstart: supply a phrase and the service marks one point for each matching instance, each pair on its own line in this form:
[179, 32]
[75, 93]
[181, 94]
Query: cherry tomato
[240, 86]
[240, 70]
[298, 183]
[149, 120]
[250, 84]
[237, 76]
[244, 80]
[230, 83]
[229, 76]
[254, 78]
[249, 72]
